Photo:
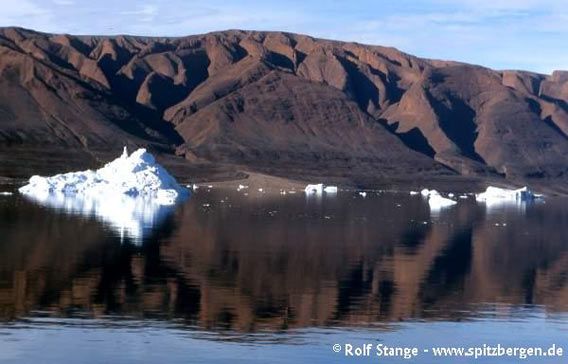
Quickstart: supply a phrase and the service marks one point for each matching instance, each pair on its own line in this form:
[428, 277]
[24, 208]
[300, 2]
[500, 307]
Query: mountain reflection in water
[223, 260]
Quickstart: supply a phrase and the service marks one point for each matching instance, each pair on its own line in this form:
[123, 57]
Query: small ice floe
[463, 197]
[330, 189]
[260, 190]
[292, 191]
[414, 193]
[435, 200]
[496, 195]
[314, 189]
[363, 194]
[6, 193]
[206, 205]
[241, 187]
[451, 195]
[210, 186]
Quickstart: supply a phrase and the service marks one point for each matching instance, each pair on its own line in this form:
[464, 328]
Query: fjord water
[229, 277]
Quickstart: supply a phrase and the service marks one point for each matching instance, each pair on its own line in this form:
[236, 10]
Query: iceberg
[131, 194]
[437, 201]
[496, 194]
[314, 188]
[134, 175]
[330, 189]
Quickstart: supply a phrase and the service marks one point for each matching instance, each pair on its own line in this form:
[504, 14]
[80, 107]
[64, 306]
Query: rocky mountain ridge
[276, 103]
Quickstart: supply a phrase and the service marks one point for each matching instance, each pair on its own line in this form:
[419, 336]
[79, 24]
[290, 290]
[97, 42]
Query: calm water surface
[229, 277]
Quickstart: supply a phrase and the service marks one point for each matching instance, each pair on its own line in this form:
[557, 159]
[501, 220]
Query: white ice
[495, 197]
[314, 188]
[363, 194]
[130, 194]
[436, 201]
[134, 175]
[330, 189]
[502, 194]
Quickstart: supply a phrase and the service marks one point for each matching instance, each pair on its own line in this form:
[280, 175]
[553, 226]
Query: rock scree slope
[275, 103]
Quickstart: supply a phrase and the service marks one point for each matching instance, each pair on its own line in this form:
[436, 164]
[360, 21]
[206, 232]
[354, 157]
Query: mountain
[223, 103]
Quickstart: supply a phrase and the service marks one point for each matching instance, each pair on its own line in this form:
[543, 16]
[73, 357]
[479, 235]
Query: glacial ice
[330, 189]
[495, 194]
[437, 201]
[314, 188]
[134, 175]
[131, 194]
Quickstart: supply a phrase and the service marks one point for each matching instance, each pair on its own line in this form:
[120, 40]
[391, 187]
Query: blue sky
[502, 34]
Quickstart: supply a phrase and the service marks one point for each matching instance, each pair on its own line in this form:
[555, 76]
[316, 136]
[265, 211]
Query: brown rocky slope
[278, 103]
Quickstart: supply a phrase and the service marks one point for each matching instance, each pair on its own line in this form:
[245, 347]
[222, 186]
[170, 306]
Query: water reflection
[130, 217]
[226, 261]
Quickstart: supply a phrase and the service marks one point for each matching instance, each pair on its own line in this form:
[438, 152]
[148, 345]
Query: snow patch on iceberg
[134, 175]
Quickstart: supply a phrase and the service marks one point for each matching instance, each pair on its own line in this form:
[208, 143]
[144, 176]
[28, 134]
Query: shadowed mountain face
[276, 103]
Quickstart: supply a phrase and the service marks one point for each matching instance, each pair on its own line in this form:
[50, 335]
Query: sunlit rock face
[130, 194]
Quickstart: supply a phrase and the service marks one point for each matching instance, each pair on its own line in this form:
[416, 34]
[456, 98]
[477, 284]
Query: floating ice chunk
[451, 195]
[425, 192]
[363, 194]
[330, 189]
[463, 197]
[413, 193]
[134, 175]
[6, 193]
[241, 187]
[496, 194]
[314, 188]
[437, 201]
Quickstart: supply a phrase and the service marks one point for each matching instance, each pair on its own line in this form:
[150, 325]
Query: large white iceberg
[131, 194]
[493, 194]
[134, 175]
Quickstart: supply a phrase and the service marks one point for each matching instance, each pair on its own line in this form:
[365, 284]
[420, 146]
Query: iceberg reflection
[129, 217]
